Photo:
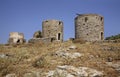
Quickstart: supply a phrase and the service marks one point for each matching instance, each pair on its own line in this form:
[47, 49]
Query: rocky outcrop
[71, 71]
[65, 54]
[116, 66]
[11, 75]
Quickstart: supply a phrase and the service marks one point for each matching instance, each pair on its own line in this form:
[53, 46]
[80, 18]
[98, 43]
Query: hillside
[115, 37]
[58, 59]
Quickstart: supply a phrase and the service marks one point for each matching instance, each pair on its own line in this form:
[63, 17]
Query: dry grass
[29, 57]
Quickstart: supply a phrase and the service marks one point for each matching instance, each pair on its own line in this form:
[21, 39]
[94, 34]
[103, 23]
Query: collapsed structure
[52, 30]
[16, 38]
[88, 27]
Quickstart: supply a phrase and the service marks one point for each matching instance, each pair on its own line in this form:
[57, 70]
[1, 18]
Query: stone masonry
[16, 38]
[89, 27]
[52, 28]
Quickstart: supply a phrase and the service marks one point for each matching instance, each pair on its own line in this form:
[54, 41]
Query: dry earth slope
[58, 59]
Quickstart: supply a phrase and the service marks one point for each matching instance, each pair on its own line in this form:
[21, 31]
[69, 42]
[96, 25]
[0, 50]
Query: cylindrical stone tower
[89, 27]
[52, 28]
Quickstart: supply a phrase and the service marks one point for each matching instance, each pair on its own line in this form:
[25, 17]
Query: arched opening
[101, 18]
[86, 19]
[18, 41]
[59, 23]
[101, 35]
[52, 39]
[59, 36]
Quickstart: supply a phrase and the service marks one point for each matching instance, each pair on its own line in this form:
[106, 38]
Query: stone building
[16, 38]
[52, 29]
[89, 27]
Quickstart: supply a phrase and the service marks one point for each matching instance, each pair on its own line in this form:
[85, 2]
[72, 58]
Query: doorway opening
[18, 41]
[52, 39]
[59, 36]
[101, 36]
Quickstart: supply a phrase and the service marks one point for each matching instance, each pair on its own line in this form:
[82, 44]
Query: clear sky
[26, 16]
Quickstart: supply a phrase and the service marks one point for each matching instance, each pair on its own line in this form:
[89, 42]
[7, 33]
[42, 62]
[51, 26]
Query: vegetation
[113, 37]
[41, 57]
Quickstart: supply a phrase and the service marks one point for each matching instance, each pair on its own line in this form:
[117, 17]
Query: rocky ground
[57, 59]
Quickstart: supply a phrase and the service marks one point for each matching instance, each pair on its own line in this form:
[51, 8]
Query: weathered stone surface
[72, 47]
[52, 28]
[37, 34]
[65, 54]
[71, 71]
[3, 56]
[11, 75]
[116, 66]
[16, 38]
[42, 40]
[89, 27]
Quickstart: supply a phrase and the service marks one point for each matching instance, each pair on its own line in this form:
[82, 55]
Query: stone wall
[16, 38]
[42, 40]
[89, 27]
[52, 28]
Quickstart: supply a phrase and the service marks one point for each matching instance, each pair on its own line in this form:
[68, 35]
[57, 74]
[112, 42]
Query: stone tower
[89, 27]
[52, 28]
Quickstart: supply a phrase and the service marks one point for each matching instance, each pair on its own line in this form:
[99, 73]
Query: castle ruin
[89, 27]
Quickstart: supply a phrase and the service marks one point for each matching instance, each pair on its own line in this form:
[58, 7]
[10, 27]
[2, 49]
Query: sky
[26, 16]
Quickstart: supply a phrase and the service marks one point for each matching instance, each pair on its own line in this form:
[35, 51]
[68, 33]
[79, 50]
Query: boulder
[72, 47]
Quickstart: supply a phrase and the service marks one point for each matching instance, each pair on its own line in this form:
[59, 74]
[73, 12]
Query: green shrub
[113, 37]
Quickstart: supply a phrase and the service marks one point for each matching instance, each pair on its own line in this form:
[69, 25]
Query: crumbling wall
[37, 34]
[16, 38]
[42, 40]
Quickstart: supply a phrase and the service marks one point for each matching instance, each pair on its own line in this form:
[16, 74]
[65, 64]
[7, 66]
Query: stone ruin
[89, 27]
[37, 34]
[52, 30]
[16, 38]
[37, 37]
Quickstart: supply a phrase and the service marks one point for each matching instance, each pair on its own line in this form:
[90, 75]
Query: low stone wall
[43, 40]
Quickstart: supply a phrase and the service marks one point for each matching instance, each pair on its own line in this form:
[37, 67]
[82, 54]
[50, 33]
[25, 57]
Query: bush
[40, 63]
[113, 37]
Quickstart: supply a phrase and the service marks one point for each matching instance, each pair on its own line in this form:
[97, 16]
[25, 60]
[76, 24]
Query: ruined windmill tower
[16, 38]
[89, 27]
[52, 29]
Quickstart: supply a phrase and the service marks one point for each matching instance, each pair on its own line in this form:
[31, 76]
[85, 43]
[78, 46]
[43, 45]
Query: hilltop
[60, 59]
